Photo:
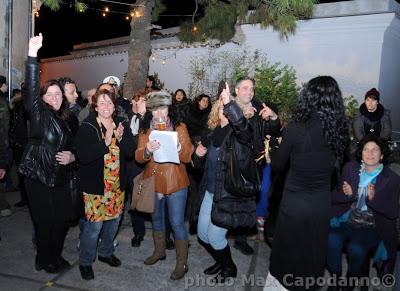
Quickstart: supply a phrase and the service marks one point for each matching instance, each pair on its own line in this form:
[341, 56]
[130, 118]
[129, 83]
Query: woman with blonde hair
[221, 209]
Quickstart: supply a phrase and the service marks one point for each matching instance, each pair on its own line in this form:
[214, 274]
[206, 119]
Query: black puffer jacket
[48, 135]
[229, 211]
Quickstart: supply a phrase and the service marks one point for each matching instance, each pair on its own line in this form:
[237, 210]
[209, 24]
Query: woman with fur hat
[372, 118]
[171, 180]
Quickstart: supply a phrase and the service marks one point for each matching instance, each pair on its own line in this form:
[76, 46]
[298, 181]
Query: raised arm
[30, 90]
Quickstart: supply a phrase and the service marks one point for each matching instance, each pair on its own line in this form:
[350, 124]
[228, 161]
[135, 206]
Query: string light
[194, 29]
[107, 10]
[163, 62]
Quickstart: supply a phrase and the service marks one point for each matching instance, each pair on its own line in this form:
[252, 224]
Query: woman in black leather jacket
[46, 162]
[220, 210]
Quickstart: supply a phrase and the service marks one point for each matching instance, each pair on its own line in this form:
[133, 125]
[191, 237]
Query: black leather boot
[215, 268]
[228, 267]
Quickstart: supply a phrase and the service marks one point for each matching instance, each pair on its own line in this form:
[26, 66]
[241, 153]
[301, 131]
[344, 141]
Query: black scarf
[373, 116]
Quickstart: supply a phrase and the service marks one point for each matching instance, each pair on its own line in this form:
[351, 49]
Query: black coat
[262, 128]
[196, 121]
[229, 211]
[91, 148]
[48, 134]
[182, 109]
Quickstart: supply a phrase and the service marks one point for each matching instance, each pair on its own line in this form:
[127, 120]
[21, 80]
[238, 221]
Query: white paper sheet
[168, 151]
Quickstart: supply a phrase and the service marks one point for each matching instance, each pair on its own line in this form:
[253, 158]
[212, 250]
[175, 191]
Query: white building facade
[356, 42]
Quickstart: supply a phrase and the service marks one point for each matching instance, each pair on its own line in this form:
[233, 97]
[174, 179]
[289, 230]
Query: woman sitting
[365, 209]
[103, 143]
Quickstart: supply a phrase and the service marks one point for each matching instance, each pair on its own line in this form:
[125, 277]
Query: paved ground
[17, 263]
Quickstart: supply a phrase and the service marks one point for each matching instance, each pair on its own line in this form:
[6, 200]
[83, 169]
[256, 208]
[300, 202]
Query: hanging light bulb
[132, 14]
[104, 15]
[163, 62]
[153, 58]
[127, 17]
[137, 13]
[194, 29]
[106, 9]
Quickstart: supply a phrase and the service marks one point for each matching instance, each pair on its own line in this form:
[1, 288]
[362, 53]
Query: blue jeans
[176, 203]
[206, 230]
[359, 243]
[90, 232]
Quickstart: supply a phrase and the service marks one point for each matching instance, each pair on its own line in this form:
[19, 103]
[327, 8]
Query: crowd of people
[77, 161]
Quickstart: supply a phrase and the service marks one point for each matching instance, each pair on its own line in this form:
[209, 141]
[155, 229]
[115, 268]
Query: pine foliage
[220, 17]
[158, 8]
[55, 5]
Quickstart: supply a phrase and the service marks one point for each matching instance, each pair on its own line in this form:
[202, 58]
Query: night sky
[65, 28]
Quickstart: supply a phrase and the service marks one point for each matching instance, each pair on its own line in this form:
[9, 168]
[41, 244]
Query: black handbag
[77, 205]
[241, 178]
[361, 219]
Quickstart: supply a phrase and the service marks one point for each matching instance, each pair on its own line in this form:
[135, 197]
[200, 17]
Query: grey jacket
[359, 128]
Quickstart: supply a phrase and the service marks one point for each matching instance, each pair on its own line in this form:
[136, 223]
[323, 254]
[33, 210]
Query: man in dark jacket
[4, 121]
[264, 121]
[18, 138]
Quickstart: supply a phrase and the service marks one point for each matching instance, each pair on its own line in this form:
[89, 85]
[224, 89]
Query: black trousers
[18, 152]
[50, 209]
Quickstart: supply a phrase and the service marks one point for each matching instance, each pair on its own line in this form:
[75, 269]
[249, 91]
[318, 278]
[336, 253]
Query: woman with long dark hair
[314, 144]
[181, 104]
[46, 163]
[171, 180]
[198, 116]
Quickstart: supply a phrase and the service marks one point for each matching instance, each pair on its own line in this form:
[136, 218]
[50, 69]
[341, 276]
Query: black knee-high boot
[215, 268]
[228, 267]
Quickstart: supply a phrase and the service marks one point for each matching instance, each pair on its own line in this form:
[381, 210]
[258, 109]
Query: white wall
[360, 52]
[88, 72]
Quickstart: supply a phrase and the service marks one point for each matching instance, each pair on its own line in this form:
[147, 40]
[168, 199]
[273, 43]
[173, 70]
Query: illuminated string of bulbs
[163, 58]
[107, 10]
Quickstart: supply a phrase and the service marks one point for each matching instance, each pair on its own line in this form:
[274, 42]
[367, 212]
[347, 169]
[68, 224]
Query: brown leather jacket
[169, 177]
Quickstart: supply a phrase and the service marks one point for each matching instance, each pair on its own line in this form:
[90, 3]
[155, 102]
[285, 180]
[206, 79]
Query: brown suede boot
[181, 267]
[159, 249]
